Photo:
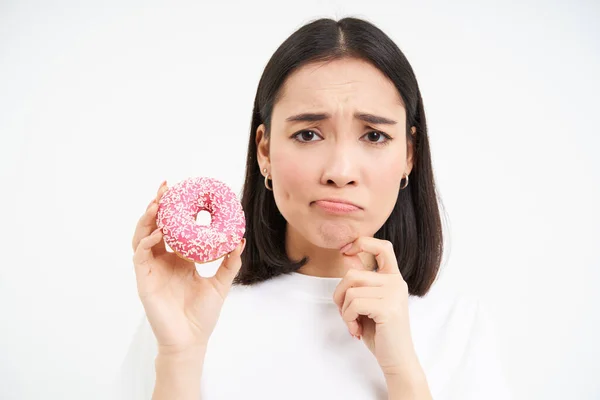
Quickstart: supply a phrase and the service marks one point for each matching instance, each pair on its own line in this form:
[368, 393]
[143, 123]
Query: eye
[305, 136]
[376, 136]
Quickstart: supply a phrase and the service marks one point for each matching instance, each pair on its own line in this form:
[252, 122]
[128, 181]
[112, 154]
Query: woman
[340, 245]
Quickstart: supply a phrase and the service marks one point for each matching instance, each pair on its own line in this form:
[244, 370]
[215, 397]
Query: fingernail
[345, 248]
[156, 231]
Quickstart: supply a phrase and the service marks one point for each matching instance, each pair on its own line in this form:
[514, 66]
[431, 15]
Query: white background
[101, 102]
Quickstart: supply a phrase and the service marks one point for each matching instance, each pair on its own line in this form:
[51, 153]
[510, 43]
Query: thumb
[230, 266]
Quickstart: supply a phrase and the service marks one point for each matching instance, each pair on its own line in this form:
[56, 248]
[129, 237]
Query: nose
[341, 167]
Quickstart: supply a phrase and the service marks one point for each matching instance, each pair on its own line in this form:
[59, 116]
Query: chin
[335, 234]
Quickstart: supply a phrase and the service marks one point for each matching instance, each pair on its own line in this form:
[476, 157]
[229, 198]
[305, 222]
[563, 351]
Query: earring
[406, 184]
[267, 180]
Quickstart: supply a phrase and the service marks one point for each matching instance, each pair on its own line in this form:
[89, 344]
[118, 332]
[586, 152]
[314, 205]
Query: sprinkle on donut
[177, 212]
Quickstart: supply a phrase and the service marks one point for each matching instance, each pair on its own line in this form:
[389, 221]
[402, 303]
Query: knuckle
[350, 295]
[348, 301]
[352, 304]
[144, 243]
[347, 314]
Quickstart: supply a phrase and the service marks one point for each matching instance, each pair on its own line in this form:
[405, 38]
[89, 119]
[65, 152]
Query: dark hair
[414, 226]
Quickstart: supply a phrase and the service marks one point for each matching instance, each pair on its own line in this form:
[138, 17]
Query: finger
[361, 292]
[143, 254]
[356, 278]
[357, 307]
[229, 268]
[352, 293]
[150, 204]
[147, 222]
[161, 190]
[160, 247]
[355, 262]
[355, 293]
[383, 250]
[145, 226]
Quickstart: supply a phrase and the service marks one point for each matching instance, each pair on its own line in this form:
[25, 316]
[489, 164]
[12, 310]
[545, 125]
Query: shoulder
[245, 300]
[455, 336]
[446, 321]
[443, 306]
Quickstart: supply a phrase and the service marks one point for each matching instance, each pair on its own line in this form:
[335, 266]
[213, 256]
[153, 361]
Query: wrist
[183, 352]
[406, 366]
[407, 384]
[407, 378]
[178, 373]
[189, 361]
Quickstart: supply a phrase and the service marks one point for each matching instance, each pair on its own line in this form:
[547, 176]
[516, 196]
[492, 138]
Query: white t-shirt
[284, 339]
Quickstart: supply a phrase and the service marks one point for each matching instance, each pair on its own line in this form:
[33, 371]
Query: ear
[262, 149]
[410, 151]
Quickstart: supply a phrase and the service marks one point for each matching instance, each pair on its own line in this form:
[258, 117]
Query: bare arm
[401, 389]
[408, 383]
[178, 375]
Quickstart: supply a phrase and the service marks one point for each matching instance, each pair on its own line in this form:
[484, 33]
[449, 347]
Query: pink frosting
[177, 212]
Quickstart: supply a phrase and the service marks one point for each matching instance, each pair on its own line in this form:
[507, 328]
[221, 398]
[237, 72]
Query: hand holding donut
[182, 307]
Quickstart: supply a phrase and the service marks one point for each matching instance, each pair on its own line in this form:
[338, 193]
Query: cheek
[384, 183]
[387, 179]
[292, 177]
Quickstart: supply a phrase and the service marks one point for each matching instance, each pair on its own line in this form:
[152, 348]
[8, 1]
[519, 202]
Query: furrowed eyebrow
[313, 117]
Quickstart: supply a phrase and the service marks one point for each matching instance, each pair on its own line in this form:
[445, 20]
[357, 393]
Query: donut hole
[203, 218]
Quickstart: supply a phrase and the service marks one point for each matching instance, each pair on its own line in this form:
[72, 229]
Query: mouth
[337, 206]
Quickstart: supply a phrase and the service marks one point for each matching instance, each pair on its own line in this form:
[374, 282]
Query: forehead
[348, 81]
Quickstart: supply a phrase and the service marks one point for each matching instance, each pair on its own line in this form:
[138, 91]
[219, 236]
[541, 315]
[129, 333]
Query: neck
[322, 262]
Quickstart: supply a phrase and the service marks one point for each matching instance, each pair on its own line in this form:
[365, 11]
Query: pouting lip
[342, 201]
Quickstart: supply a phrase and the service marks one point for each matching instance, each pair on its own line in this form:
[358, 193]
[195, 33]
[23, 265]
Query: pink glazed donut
[177, 211]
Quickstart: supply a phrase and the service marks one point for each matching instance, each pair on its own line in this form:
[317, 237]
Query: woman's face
[328, 142]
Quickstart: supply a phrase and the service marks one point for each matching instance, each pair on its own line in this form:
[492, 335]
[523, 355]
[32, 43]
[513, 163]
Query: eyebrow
[313, 117]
